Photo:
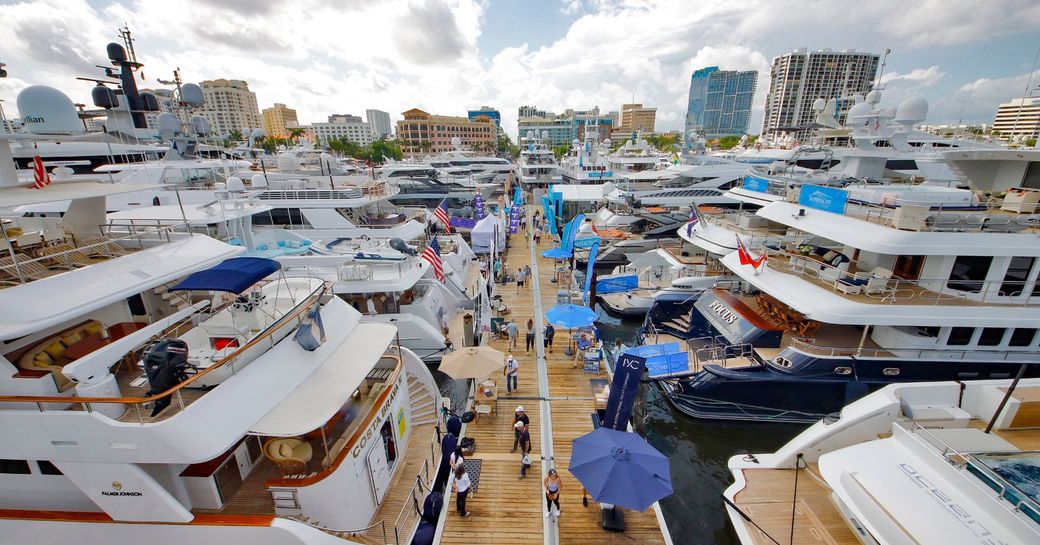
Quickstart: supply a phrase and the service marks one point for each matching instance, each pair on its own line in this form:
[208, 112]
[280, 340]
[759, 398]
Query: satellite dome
[912, 111]
[873, 97]
[258, 133]
[246, 131]
[607, 142]
[287, 162]
[104, 97]
[857, 98]
[168, 124]
[234, 184]
[819, 104]
[888, 112]
[116, 52]
[191, 94]
[149, 102]
[200, 125]
[628, 143]
[545, 135]
[258, 181]
[530, 134]
[857, 111]
[456, 141]
[46, 110]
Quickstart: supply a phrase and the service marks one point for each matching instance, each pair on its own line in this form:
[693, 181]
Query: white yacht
[181, 393]
[588, 162]
[661, 274]
[930, 463]
[701, 179]
[636, 155]
[537, 164]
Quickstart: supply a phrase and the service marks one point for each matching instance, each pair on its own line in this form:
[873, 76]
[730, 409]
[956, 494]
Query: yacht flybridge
[537, 164]
[182, 392]
[930, 463]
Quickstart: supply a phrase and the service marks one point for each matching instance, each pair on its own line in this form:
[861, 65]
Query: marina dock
[558, 397]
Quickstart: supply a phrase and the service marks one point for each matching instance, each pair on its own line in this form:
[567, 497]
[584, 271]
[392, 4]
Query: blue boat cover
[232, 275]
[616, 283]
[662, 359]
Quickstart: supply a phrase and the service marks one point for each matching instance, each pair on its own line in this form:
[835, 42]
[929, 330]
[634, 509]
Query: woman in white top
[461, 486]
[456, 459]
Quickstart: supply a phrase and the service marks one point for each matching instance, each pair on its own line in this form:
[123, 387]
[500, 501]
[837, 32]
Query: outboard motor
[166, 364]
[402, 246]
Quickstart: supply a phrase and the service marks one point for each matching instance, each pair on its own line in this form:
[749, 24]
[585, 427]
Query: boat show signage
[627, 373]
[828, 199]
[754, 183]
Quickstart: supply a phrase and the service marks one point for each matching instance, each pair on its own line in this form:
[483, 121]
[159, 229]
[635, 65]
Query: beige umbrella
[476, 362]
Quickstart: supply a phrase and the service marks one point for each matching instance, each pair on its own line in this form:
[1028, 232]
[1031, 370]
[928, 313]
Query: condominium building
[229, 106]
[1018, 119]
[798, 78]
[278, 119]
[422, 133]
[379, 122]
[720, 101]
[340, 126]
[563, 128]
[532, 111]
[635, 118]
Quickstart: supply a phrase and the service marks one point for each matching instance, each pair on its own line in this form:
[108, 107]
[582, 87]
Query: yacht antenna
[884, 61]
[128, 41]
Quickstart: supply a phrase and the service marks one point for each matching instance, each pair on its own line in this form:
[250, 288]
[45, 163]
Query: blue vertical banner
[628, 371]
[514, 219]
[588, 273]
[550, 214]
[573, 225]
[518, 198]
[478, 207]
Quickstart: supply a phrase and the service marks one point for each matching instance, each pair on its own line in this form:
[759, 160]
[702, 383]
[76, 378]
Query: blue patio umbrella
[571, 316]
[620, 468]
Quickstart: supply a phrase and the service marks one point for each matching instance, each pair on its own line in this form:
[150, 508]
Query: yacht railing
[969, 462]
[874, 288]
[378, 527]
[806, 344]
[137, 403]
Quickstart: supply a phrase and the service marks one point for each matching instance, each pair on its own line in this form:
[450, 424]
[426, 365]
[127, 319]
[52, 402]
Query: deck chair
[30, 270]
[102, 247]
[70, 257]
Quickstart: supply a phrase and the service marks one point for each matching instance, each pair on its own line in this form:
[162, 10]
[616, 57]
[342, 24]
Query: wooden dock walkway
[507, 510]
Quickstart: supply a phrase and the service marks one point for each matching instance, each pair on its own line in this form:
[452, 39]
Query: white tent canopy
[484, 231]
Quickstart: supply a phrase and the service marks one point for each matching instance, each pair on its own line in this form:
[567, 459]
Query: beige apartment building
[229, 105]
[278, 119]
[636, 118]
[1018, 119]
[422, 133]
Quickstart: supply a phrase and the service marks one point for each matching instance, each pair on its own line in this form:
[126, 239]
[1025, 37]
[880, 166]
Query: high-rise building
[340, 126]
[278, 119]
[720, 101]
[798, 78]
[1018, 119]
[229, 106]
[563, 128]
[494, 114]
[636, 118]
[422, 133]
[379, 121]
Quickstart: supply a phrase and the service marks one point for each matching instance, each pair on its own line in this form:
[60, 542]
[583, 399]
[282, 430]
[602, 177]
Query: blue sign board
[628, 372]
[754, 183]
[604, 174]
[828, 199]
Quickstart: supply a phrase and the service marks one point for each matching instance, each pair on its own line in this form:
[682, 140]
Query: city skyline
[965, 58]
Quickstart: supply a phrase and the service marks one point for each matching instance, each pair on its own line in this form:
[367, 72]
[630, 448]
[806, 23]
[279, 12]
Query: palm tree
[425, 146]
[294, 134]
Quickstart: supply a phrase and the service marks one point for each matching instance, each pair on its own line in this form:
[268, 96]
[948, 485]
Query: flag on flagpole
[40, 177]
[694, 218]
[441, 213]
[432, 254]
[746, 258]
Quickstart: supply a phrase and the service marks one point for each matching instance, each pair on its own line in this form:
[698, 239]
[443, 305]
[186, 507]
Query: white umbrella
[476, 362]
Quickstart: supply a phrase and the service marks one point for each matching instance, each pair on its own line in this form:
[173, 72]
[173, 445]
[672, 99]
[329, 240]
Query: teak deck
[506, 510]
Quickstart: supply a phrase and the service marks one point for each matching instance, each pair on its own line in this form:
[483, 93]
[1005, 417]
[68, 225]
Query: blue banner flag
[514, 220]
[518, 198]
[572, 233]
[478, 207]
[550, 218]
[627, 373]
[588, 273]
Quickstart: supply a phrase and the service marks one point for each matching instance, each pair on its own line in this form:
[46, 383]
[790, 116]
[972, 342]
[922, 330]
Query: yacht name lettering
[376, 422]
[724, 312]
[121, 493]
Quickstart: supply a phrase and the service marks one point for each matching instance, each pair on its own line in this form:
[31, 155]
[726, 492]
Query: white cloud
[920, 77]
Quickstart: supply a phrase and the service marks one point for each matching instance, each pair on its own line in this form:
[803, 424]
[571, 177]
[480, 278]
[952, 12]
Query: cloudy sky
[445, 56]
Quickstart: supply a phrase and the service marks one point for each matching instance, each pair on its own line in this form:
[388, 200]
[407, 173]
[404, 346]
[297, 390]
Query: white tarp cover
[327, 389]
[11, 197]
[482, 233]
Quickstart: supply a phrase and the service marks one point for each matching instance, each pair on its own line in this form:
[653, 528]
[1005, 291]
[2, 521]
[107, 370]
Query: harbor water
[698, 449]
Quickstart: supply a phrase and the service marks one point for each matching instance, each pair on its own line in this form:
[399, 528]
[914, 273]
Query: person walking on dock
[513, 331]
[519, 417]
[461, 486]
[511, 370]
[520, 278]
[550, 332]
[553, 485]
[529, 339]
[525, 448]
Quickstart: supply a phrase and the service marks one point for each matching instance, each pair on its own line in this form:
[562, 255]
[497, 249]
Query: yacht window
[1016, 276]
[960, 336]
[842, 370]
[991, 336]
[969, 272]
[1022, 336]
[47, 468]
[890, 371]
[14, 467]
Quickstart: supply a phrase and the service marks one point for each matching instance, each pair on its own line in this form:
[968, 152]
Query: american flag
[40, 177]
[441, 213]
[432, 254]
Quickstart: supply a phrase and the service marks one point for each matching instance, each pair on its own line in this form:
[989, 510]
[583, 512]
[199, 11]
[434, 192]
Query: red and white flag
[432, 254]
[745, 256]
[441, 213]
[40, 177]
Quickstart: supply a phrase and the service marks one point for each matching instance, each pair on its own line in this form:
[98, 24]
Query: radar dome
[257, 133]
[116, 52]
[200, 125]
[168, 124]
[858, 111]
[912, 111]
[873, 97]
[149, 102]
[258, 181]
[545, 135]
[456, 141]
[607, 142]
[530, 134]
[104, 97]
[46, 110]
[235, 185]
[191, 94]
[819, 104]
